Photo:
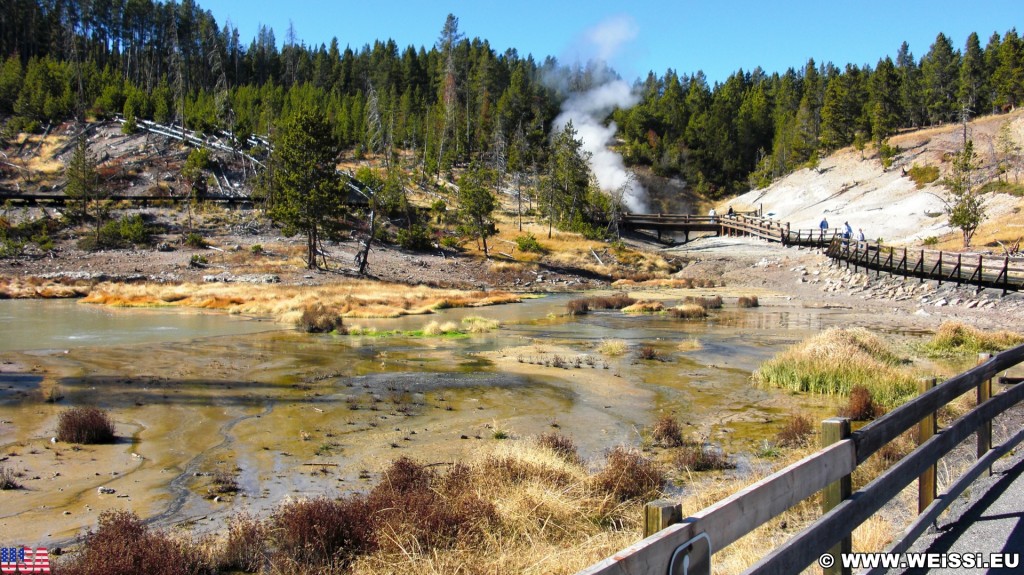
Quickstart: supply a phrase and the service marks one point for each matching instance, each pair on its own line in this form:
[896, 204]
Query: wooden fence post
[926, 429]
[985, 431]
[833, 430]
[660, 514]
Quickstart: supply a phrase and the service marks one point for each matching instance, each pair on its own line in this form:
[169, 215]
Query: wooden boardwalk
[677, 545]
[981, 270]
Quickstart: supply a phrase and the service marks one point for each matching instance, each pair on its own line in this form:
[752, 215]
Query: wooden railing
[687, 545]
[984, 271]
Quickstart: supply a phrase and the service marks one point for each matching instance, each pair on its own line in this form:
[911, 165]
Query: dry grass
[33, 287]
[613, 347]
[835, 361]
[478, 324]
[954, 338]
[861, 405]
[748, 301]
[667, 431]
[697, 457]
[349, 299]
[688, 311]
[85, 425]
[645, 307]
[796, 432]
[692, 344]
[713, 302]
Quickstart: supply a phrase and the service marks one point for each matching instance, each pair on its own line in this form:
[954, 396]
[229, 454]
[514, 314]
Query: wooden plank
[983, 395]
[660, 514]
[735, 516]
[834, 430]
[805, 547]
[925, 519]
[873, 436]
[926, 430]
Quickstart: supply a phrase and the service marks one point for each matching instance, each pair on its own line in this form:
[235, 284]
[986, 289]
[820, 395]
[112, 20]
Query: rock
[106, 490]
[940, 303]
[67, 513]
[922, 313]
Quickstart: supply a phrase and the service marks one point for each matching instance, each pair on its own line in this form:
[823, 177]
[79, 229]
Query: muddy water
[291, 415]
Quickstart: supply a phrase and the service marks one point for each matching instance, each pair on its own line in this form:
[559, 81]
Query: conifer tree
[965, 208]
[307, 196]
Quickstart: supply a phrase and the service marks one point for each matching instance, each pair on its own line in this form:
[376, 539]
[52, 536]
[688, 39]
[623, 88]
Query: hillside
[855, 187]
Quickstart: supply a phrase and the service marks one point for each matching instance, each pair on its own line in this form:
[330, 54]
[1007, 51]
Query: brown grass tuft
[562, 446]
[318, 319]
[688, 311]
[644, 307]
[699, 457]
[861, 406]
[748, 301]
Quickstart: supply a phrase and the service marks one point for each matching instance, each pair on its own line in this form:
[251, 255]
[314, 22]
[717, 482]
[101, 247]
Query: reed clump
[796, 432]
[836, 360]
[317, 318]
[861, 405]
[628, 475]
[700, 457]
[713, 302]
[667, 431]
[954, 338]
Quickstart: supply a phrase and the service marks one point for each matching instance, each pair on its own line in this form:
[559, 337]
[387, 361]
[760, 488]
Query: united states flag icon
[24, 560]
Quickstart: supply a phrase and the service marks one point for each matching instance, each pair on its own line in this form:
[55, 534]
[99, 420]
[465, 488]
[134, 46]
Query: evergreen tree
[1008, 76]
[973, 94]
[476, 205]
[886, 104]
[83, 184]
[941, 78]
[965, 208]
[568, 179]
[306, 187]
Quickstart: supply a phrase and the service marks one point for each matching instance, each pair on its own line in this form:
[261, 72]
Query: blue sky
[717, 37]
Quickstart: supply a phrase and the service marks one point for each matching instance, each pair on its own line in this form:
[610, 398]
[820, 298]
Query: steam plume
[587, 111]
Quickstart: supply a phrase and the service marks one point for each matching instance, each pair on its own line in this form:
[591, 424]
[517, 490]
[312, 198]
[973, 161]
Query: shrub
[748, 301]
[628, 475]
[8, 479]
[644, 307]
[318, 319]
[923, 175]
[695, 457]
[648, 352]
[615, 301]
[257, 250]
[123, 545]
[322, 532]
[563, 446]
[577, 307]
[796, 433]
[417, 507]
[478, 324]
[224, 482]
[122, 233]
[860, 406]
[931, 241]
[667, 431]
[529, 243]
[245, 546]
[415, 238]
[194, 240]
[85, 425]
[451, 243]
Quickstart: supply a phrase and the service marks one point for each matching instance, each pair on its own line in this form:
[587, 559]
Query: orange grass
[350, 299]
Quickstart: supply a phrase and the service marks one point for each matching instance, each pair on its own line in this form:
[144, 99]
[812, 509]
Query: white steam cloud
[588, 110]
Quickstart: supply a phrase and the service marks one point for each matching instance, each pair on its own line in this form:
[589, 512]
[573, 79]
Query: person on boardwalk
[731, 212]
[847, 231]
[823, 226]
[860, 235]
[712, 213]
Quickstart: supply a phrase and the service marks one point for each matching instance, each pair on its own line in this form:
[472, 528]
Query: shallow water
[296, 415]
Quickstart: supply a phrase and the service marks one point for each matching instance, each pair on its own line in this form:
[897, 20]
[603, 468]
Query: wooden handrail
[732, 518]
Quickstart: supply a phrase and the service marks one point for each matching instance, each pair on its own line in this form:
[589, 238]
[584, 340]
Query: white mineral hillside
[885, 203]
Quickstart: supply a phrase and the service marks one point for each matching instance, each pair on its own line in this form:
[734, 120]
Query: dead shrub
[8, 479]
[616, 301]
[667, 431]
[796, 433]
[648, 352]
[628, 475]
[413, 505]
[564, 447]
[224, 482]
[514, 470]
[85, 425]
[861, 405]
[698, 457]
[318, 319]
[321, 532]
[245, 548]
[577, 307]
[748, 301]
[123, 545]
